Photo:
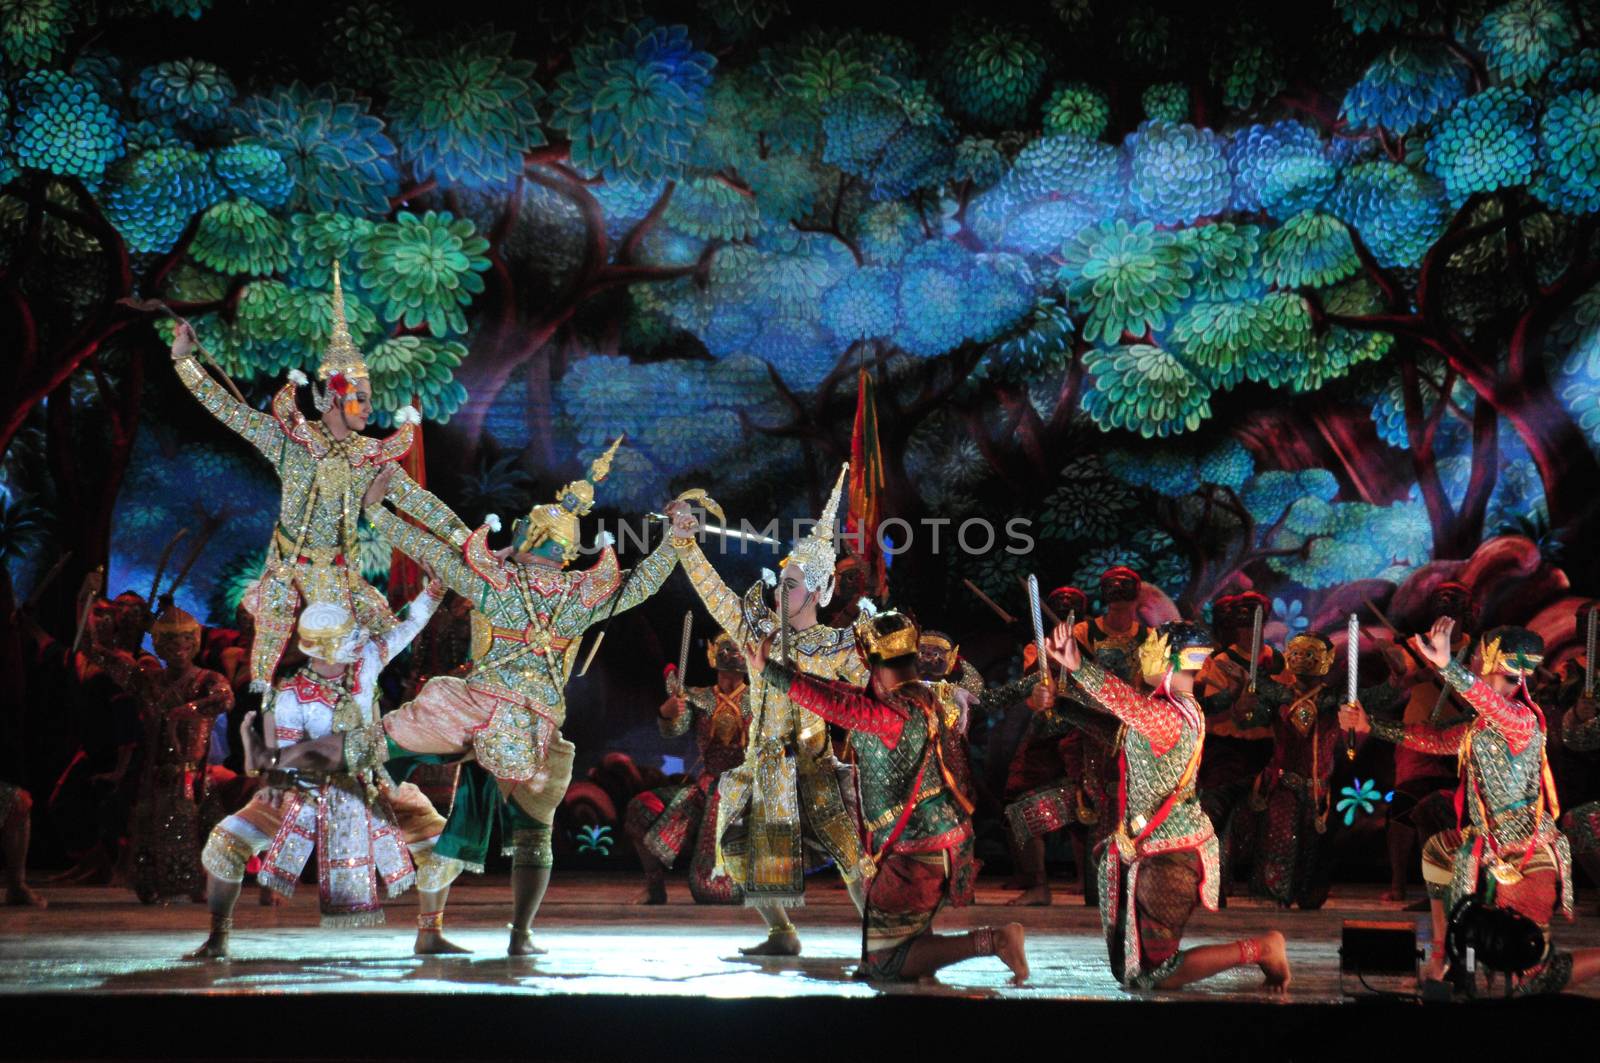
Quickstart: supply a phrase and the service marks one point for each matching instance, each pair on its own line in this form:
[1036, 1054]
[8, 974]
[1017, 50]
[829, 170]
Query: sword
[1352, 651]
[1072, 627]
[1588, 653]
[683, 650]
[93, 584]
[1255, 647]
[1038, 626]
[730, 533]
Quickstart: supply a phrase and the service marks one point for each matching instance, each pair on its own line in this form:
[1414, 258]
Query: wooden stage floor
[108, 955]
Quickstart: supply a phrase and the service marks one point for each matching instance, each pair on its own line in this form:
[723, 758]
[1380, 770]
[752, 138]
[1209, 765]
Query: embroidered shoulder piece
[481, 559]
[294, 423]
[601, 580]
[758, 618]
[394, 448]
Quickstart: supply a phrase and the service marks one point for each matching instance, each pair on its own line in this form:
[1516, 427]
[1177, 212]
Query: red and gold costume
[1161, 858]
[1506, 843]
[670, 821]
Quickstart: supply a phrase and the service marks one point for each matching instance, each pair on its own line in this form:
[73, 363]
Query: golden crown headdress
[558, 520]
[816, 553]
[887, 635]
[1519, 664]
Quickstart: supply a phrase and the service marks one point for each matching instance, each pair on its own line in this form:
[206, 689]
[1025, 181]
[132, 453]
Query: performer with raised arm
[916, 800]
[1507, 848]
[665, 823]
[1292, 794]
[178, 704]
[372, 838]
[1161, 859]
[529, 617]
[325, 466]
[791, 791]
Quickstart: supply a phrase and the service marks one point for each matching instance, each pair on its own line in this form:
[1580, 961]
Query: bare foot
[652, 895]
[521, 944]
[1032, 897]
[215, 948]
[1435, 969]
[1274, 962]
[786, 943]
[434, 943]
[20, 896]
[1009, 947]
[1394, 893]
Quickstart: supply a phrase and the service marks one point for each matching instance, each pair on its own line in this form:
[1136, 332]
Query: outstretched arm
[629, 588]
[423, 506]
[260, 430]
[425, 548]
[724, 606]
[418, 612]
[840, 703]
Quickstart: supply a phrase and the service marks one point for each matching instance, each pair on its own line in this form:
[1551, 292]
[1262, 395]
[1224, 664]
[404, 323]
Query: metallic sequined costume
[323, 479]
[372, 838]
[670, 821]
[1162, 855]
[508, 712]
[178, 707]
[1507, 843]
[916, 802]
[790, 789]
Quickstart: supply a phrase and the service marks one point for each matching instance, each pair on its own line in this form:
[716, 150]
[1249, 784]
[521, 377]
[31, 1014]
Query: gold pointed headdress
[341, 357]
[558, 520]
[816, 553]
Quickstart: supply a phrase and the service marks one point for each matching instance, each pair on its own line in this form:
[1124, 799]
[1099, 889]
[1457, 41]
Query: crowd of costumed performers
[1179, 760]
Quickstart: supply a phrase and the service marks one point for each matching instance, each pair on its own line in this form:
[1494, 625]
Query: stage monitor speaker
[1368, 948]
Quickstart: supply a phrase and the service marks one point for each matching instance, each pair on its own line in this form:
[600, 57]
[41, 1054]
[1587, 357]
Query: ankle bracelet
[430, 920]
[221, 924]
[983, 940]
[1249, 952]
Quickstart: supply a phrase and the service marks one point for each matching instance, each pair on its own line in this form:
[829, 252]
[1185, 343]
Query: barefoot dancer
[373, 839]
[530, 617]
[1508, 847]
[915, 798]
[1161, 859]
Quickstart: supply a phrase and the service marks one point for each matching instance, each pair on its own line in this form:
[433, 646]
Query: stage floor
[100, 940]
[609, 959]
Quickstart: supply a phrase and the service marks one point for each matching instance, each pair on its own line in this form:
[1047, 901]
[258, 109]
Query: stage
[102, 974]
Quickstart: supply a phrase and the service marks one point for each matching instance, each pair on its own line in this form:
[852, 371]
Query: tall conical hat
[816, 553]
[341, 357]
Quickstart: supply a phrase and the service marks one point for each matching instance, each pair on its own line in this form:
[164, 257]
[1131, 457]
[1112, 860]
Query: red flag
[866, 481]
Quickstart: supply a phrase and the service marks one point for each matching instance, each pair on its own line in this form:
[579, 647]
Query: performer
[790, 791]
[1055, 781]
[939, 660]
[372, 838]
[915, 799]
[324, 467]
[1235, 753]
[530, 616]
[1114, 637]
[16, 819]
[1423, 781]
[178, 705]
[1293, 793]
[665, 823]
[1580, 734]
[1162, 856]
[1508, 847]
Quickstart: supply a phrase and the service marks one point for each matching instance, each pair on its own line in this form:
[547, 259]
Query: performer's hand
[755, 655]
[379, 487]
[1041, 698]
[184, 341]
[1352, 717]
[1435, 649]
[273, 797]
[684, 523]
[672, 708]
[1062, 648]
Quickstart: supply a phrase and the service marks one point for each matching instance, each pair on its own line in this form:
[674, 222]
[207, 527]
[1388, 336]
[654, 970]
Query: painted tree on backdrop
[1378, 229]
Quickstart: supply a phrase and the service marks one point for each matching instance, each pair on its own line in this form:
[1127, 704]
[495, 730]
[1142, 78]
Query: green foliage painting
[1290, 297]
